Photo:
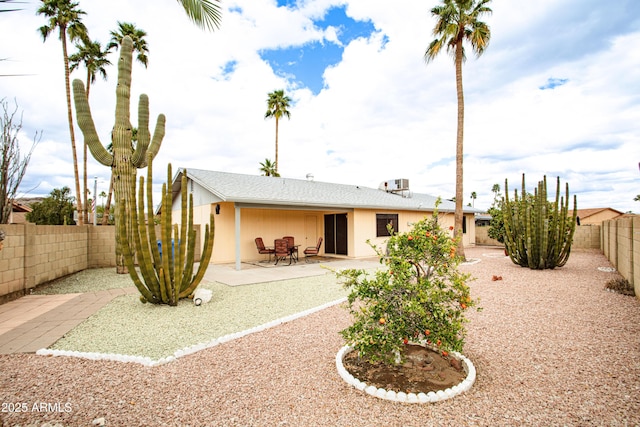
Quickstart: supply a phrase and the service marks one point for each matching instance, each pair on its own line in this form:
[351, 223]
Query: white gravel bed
[125, 326]
[550, 348]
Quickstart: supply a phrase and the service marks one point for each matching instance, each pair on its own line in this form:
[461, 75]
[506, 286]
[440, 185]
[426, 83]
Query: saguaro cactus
[538, 233]
[126, 157]
[166, 277]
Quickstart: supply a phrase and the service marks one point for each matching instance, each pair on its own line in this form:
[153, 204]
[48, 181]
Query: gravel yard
[550, 348]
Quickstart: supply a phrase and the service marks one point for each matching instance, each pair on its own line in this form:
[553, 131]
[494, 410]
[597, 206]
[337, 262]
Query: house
[345, 216]
[595, 216]
[18, 213]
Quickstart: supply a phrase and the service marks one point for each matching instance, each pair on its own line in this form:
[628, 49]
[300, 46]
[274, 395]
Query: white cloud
[383, 114]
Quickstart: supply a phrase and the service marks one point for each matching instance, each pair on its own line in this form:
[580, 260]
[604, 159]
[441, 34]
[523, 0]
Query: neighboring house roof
[586, 213]
[19, 207]
[266, 190]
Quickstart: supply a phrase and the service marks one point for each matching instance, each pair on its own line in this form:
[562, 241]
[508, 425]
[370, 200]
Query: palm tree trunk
[105, 214]
[63, 38]
[277, 162]
[458, 217]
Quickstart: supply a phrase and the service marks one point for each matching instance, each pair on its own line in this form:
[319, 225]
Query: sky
[556, 93]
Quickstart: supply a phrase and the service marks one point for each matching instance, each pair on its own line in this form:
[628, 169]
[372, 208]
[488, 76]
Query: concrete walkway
[37, 321]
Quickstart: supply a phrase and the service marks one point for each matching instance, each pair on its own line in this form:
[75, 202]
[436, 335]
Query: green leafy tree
[268, 168]
[421, 296]
[496, 225]
[64, 16]
[277, 107]
[458, 21]
[56, 209]
[13, 166]
[94, 58]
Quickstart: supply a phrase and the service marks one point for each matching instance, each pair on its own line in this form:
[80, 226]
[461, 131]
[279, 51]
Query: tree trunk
[63, 38]
[459, 214]
[107, 208]
[277, 162]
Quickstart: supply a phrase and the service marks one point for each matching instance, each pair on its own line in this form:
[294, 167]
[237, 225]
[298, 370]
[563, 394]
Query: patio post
[237, 224]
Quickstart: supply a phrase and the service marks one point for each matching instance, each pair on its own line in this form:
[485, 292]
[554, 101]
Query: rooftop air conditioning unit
[394, 185]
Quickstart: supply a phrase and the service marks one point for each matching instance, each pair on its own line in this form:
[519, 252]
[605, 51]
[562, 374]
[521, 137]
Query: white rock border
[147, 361]
[430, 397]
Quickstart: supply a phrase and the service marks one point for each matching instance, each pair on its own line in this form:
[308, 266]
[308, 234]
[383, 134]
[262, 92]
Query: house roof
[267, 190]
[586, 213]
[19, 207]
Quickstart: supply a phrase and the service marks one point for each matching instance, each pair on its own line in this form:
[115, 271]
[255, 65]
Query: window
[382, 220]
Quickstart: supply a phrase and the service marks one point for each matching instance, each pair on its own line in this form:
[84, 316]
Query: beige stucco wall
[597, 218]
[270, 224]
[305, 226]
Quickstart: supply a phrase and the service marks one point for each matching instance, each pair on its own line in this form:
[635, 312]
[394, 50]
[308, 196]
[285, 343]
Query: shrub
[620, 285]
[421, 296]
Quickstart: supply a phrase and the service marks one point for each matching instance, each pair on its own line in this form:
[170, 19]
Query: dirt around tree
[424, 370]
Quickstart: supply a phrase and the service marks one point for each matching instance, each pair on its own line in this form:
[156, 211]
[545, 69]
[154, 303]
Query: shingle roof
[254, 189]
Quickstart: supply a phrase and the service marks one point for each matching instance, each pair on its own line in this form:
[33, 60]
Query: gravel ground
[550, 348]
[126, 327]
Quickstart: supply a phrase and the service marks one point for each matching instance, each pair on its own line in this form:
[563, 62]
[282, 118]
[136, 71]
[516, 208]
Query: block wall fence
[620, 243]
[585, 237]
[36, 254]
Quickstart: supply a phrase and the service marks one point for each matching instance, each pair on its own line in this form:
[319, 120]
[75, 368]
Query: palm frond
[204, 13]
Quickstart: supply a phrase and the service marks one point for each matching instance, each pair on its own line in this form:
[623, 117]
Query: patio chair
[312, 251]
[292, 247]
[281, 250]
[262, 249]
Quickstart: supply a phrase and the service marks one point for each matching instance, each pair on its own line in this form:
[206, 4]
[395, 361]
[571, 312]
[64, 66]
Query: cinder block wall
[102, 246]
[585, 237]
[53, 251]
[12, 280]
[482, 237]
[636, 254]
[36, 254]
[621, 243]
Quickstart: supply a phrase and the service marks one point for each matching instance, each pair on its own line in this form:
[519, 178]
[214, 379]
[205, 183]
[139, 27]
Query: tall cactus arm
[188, 272]
[88, 128]
[153, 239]
[209, 234]
[123, 89]
[145, 144]
[143, 251]
[128, 258]
[158, 136]
[140, 153]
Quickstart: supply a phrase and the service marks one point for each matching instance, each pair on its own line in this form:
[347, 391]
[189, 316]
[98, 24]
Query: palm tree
[268, 168]
[137, 36]
[8, 10]
[94, 59]
[474, 196]
[457, 22]
[277, 104]
[204, 13]
[65, 16]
